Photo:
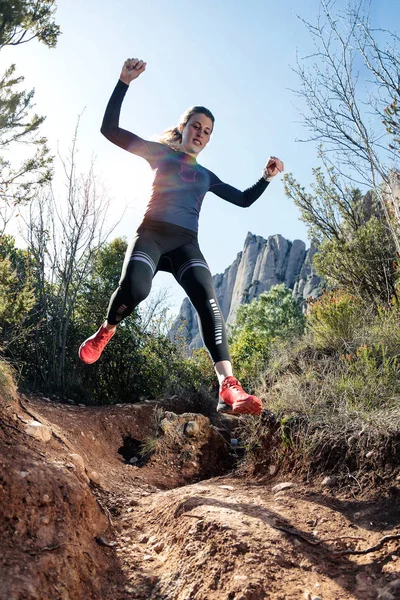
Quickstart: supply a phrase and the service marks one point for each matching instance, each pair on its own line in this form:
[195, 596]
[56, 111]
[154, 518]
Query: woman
[167, 238]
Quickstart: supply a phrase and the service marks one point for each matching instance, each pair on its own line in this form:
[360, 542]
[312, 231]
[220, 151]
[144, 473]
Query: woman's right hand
[132, 68]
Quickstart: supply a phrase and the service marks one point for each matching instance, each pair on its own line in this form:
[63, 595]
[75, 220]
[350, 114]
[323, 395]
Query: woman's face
[196, 133]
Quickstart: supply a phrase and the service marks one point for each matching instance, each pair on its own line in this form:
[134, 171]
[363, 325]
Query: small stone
[45, 499]
[158, 547]
[133, 460]
[316, 598]
[192, 429]
[103, 542]
[38, 431]
[283, 486]
[234, 442]
[78, 461]
[240, 578]
[152, 539]
[329, 481]
[148, 557]
[226, 487]
[143, 539]
[272, 469]
[94, 477]
[369, 454]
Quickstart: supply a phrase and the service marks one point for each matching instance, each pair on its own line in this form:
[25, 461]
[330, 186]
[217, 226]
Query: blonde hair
[173, 137]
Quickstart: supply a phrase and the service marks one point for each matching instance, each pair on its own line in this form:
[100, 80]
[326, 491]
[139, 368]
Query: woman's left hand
[273, 167]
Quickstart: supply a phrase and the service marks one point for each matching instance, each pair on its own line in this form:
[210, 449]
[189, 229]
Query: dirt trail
[80, 522]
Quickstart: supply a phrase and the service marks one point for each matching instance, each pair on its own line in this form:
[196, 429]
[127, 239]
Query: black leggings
[159, 246]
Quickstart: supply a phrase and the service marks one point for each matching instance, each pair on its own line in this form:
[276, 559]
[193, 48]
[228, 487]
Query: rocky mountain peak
[261, 264]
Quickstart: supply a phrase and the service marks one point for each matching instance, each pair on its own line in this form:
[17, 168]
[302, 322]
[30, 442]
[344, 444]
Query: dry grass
[333, 414]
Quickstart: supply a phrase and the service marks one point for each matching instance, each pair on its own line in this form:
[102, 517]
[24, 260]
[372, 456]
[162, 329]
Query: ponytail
[173, 137]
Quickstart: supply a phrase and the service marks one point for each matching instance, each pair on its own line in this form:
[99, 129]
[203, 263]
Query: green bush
[273, 315]
[336, 320]
[8, 390]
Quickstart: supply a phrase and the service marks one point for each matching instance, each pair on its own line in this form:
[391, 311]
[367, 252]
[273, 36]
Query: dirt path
[229, 540]
[220, 539]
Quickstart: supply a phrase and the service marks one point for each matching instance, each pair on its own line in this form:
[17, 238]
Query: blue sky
[236, 58]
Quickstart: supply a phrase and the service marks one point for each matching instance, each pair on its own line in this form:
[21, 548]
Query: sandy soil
[79, 521]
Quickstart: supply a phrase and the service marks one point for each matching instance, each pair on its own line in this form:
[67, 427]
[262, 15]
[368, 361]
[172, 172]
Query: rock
[273, 469]
[329, 481]
[241, 578]
[78, 461]
[262, 264]
[192, 429]
[104, 542]
[370, 454]
[143, 539]
[133, 460]
[94, 476]
[227, 487]
[283, 486]
[316, 598]
[153, 540]
[158, 547]
[38, 431]
[45, 520]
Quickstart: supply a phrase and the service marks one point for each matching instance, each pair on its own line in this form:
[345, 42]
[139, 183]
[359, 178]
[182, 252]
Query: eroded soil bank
[83, 517]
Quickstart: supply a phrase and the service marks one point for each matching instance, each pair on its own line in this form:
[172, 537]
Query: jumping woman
[167, 238]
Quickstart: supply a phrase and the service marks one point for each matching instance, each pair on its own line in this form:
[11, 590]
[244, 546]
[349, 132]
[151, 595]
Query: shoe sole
[247, 408]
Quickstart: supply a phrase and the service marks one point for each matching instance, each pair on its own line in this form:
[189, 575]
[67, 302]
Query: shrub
[274, 314]
[336, 319]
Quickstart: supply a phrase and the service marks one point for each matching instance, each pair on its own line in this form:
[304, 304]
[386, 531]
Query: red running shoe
[91, 349]
[235, 401]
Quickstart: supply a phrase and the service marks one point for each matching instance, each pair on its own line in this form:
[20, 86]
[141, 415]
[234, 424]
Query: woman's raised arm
[110, 128]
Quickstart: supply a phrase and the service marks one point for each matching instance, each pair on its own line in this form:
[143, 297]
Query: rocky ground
[85, 513]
